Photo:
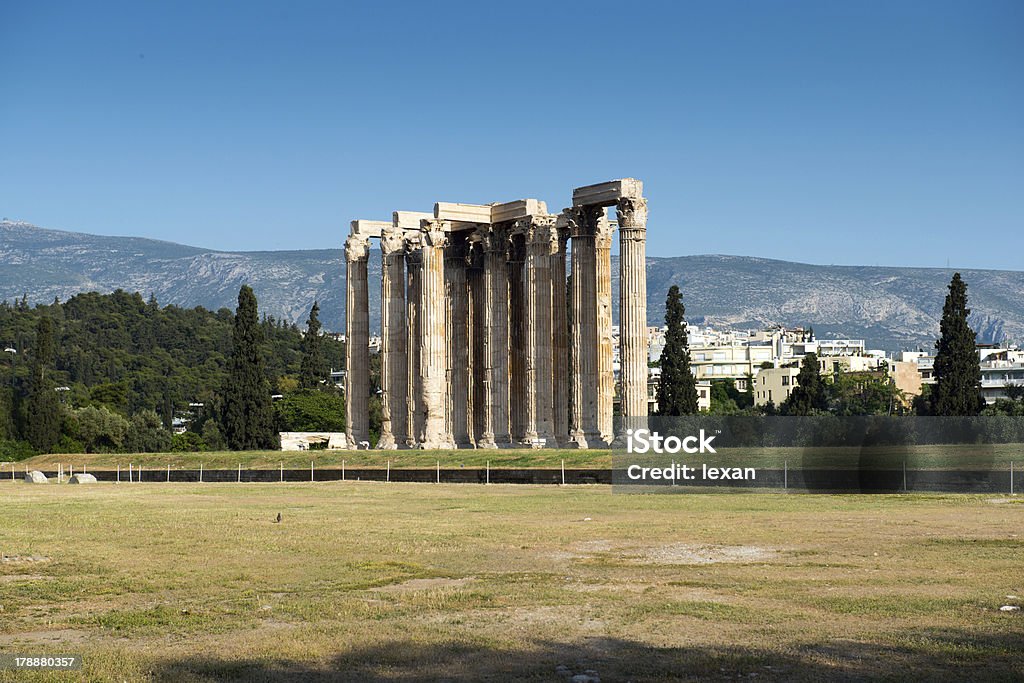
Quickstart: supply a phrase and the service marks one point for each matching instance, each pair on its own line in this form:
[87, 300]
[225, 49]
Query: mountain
[892, 308]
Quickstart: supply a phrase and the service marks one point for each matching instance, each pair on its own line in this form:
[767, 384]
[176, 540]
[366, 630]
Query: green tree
[313, 369]
[957, 389]
[212, 437]
[248, 412]
[311, 411]
[677, 390]
[863, 393]
[146, 434]
[100, 430]
[43, 412]
[808, 396]
[6, 414]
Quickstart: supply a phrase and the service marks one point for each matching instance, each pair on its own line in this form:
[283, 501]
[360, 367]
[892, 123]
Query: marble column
[414, 412]
[559, 338]
[393, 362]
[457, 341]
[541, 242]
[476, 279]
[496, 429]
[433, 344]
[606, 347]
[357, 342]
[583, 360]
[632, 218]
[517, 343]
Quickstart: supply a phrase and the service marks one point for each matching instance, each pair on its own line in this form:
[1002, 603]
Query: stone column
[541, 242]
[477, 282]
[517, 337]
[433, 345]
[496, 429]
[559, 339]
[393, 363]
[357, 341]
[457, 341]
[632, 217]
[606, 351]
[414, 413]
[583, 359]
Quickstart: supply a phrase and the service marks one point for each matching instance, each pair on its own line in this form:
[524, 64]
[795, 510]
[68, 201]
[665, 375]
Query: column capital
[392, 241]
[542, 231]
[582, 221]
[632, 212]
[435, 233]
[357, 248]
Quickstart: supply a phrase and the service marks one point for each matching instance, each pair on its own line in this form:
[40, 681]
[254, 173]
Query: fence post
[389, 470]
[488, 471]
[785, 475]
[118, 473]
[438, 471]
[563, 472]
[168, 473]
[1011, 477]
[343, 469]
[311, 471]
[239, 473]
[904, 476]
[282, 471]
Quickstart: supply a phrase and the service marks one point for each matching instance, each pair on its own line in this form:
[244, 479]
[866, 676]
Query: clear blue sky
[825, 131]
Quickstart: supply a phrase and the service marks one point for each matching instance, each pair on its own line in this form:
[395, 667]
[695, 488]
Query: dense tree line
[112, 372]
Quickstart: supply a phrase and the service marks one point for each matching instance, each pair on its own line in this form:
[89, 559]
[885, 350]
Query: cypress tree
[248, 413]
[43, 414]
[313, 370]
[677, 390]
[957, 389]
[809, 393]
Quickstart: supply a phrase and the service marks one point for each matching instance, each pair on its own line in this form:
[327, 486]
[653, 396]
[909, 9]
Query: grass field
[400, 582]
[997, 456]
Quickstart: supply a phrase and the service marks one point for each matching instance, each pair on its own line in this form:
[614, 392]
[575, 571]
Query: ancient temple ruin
[483, 344]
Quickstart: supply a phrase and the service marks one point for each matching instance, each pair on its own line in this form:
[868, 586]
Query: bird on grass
[278, 520]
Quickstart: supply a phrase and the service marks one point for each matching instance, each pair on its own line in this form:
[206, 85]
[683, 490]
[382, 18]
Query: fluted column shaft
[476, 279]
[357, 341]
[541, 240]
[632, 218]
[496, 429]
[457, 338]
[584, 429]
[433, 344]
[559, 340]
[414, 412]
[606, 351]
[517, 337]
[393, 370]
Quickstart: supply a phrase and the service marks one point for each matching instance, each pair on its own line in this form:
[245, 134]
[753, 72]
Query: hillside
[892, 308]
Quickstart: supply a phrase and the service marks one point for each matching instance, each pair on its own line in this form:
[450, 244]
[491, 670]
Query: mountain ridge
[891, 307]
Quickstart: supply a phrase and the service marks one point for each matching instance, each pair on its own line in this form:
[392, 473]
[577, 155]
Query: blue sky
[825, 132]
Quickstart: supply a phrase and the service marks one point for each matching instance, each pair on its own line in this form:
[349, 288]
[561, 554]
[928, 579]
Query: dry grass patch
[378, 582]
